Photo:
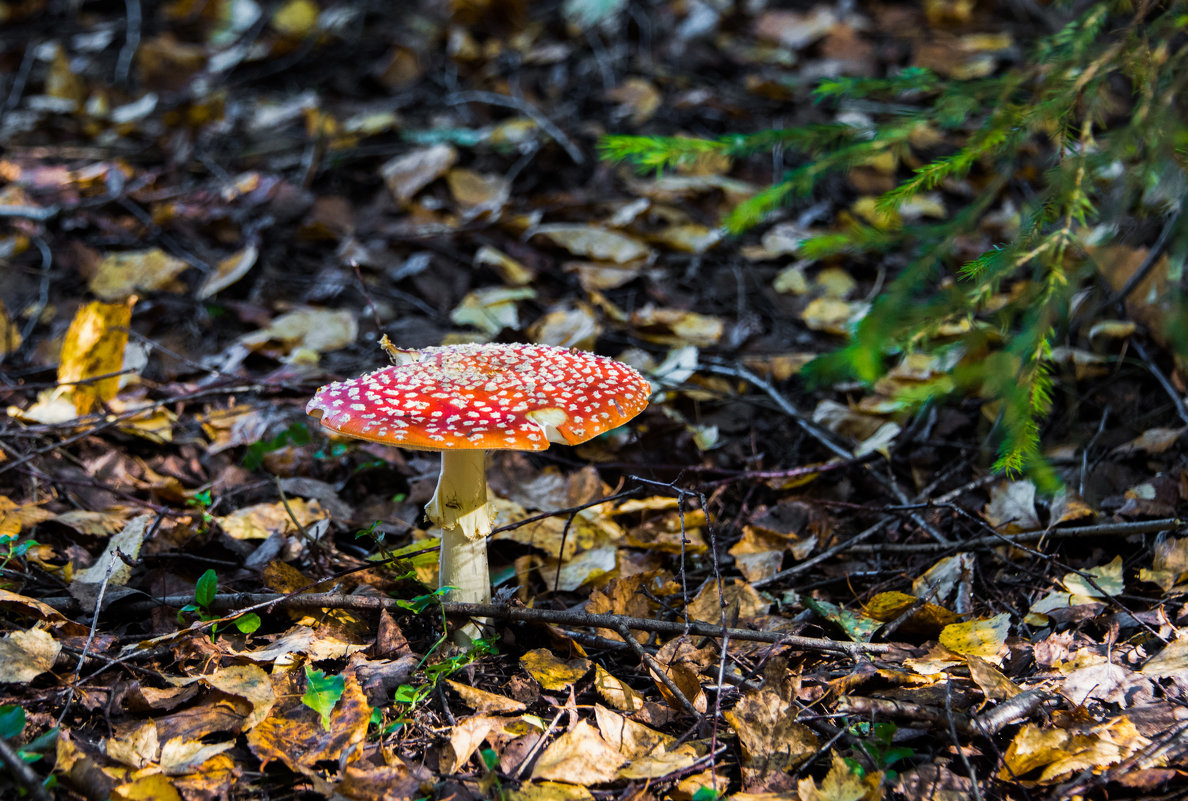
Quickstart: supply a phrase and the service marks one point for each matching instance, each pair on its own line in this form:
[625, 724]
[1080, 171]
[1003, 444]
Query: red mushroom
[464, 400]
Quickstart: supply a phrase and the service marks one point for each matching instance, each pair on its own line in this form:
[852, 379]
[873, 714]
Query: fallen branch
[242, 603]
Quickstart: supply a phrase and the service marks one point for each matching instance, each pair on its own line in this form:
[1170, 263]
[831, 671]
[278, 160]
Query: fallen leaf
[982, 638]
[408, 174]
[771, 737]
[94, 346]
[228, 271]
[593, 242]
[580, 756]
[120, 275]
[552, 672]
[25, 655]
[492, 309]
[482, 701]
[841, 784]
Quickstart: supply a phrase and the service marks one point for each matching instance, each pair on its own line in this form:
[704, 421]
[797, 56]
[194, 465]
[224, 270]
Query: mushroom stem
[459, 508]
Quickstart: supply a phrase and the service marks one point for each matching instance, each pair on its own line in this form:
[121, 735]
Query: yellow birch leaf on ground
[637, 96]
[633, 740]
[120, 275]
[552, 672]
[408, 174]
[984, 638]
[228, 271]
[465, 736]
[833, 316]
[835, 282]
[771, 737]
[249, 682]
[16, 517]
[1106, 746]
[994, 685]
[743, 602]
[593, 242]
[616, 693]
[550, 791]
[10, 335]
[660, 763]
[689, 237]
[928, 619]
[482, 701]
[580, 757]
[567, 328]
[25, 655]
[841, 784]
[154, 787]
[293, 733]
[214, 778]
[94, 346]
[1035, 747]
[262, 520]
[945, 577]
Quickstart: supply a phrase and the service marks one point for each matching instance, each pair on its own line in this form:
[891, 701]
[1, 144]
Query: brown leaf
[293, 733]
[408, 174]
[771, 738]
[25, 655]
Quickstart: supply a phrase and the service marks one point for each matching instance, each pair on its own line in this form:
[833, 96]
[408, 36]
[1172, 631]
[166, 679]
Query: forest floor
[757, 589]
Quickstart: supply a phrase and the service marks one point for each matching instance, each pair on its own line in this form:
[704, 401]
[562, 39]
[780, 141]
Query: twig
[21, 771]
[651, 664]
[258, 601]
[969, 769]
[995, 720]
[1101, 530]
[39, 213]
[1167, 385]
[131, 41]
[524, 107]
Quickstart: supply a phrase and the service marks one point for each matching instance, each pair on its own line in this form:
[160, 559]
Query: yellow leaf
[465, 737]
[511, 271]
[994, 685]
[121, 274]
[551, 671]
[840, 784]
[832, 315]
[616, 693]
[984, 638]
[579, 756]
[262, 520]
[492, 309]
[633, 740]
[771, 737]
[25, 655]
[296, 18]
[594, 242]
[549, 791]
[94, 346]
[483, 701]
[228, 271]
[154, 787]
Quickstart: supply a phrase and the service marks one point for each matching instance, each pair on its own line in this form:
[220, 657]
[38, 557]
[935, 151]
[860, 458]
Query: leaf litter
[790, 594]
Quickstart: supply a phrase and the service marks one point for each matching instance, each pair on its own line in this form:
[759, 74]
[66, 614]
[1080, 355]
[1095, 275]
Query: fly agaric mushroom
[464, 400]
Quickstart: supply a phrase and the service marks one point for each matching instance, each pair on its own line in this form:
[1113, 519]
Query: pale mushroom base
[459, 509]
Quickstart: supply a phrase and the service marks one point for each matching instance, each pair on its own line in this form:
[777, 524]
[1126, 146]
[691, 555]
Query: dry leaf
[552, 672]
[771, 737]
[120, 275]
[408, 174]
[593, 242]
[579, 756]
[983, 638]
[841, 784]
[228, 271]
[25, 655]
[482, 701]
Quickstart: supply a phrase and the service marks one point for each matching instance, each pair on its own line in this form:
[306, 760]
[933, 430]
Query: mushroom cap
[488, 397]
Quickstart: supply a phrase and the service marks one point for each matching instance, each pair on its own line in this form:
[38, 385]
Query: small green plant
[1088, 136]
[296, 434]
[201, 503]
[204, 594]
[12, 723]
[322, 693]
[877, 742]
[13, 547]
